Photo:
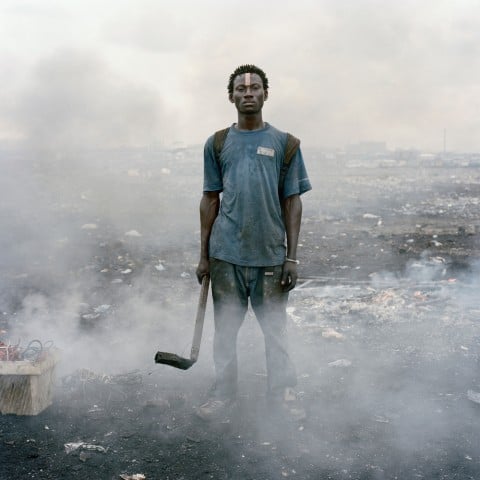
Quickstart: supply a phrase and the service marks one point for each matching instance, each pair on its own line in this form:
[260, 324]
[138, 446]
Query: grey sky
[131, 72]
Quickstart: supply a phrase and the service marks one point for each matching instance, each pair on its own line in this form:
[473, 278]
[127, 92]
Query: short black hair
[247, 69]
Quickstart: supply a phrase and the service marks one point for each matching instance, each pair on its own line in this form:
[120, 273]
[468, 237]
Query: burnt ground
[384, 326]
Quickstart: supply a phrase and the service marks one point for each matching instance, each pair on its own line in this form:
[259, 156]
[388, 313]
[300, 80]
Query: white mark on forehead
[248, 81]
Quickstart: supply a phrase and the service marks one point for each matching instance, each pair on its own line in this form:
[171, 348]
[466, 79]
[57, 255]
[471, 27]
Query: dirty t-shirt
[249, 229]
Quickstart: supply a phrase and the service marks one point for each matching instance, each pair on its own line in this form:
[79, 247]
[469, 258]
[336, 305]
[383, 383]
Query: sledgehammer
[173, 359]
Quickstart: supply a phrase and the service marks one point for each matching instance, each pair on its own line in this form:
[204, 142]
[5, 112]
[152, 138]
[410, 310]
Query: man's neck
[250, 122]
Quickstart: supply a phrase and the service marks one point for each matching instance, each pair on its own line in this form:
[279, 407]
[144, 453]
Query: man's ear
[265, 96]
[230, 97]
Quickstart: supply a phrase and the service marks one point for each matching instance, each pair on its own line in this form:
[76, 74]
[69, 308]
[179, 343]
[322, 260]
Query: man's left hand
[289, 276]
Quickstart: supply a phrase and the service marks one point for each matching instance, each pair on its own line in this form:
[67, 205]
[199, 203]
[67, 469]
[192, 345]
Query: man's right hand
[202, 269]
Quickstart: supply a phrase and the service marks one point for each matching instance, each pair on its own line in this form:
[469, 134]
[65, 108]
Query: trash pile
[35, 351]
[432, 320]
[9, 352]
[322, 306]
[455, 206]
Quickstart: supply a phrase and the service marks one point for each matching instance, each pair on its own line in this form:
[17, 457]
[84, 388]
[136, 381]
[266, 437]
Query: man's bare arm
[209, 207]
[292, 210]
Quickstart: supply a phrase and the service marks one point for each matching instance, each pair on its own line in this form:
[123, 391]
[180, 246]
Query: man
[243, 240]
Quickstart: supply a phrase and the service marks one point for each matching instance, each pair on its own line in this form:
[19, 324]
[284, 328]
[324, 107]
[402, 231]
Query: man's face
[248, 93]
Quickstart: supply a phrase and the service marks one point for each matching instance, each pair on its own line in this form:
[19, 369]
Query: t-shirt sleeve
[212, 174]
[296, 179]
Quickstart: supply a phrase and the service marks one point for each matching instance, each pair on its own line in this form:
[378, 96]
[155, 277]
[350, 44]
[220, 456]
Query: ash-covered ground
[98, 253]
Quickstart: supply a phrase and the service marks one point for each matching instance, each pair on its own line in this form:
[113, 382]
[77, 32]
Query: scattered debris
[290, 311]
[90, 316]
[73, 446]
[88, 319]
[135, 476]
[418, 295]
[133, 233]
[473, 396]
[94, 448]
[95, 409]
[102, 308]
[343, 362]
[331, 333]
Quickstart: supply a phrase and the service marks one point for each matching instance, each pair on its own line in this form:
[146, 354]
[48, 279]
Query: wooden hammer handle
[202, 304]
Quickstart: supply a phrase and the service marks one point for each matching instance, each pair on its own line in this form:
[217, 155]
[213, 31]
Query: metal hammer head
[174, 360]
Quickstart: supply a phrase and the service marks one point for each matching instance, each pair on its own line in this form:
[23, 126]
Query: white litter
[343, 362]
[102, 308]
[331, 333]
[133, 233]
[72, 446]
[473, 396]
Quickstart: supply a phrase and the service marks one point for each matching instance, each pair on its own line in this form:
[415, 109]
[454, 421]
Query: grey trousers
[232, 286]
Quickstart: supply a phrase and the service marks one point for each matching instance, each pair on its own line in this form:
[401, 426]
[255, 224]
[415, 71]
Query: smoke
[89, 220]
[96, 263]
[75, 101]
[405, 337]
[357, 72]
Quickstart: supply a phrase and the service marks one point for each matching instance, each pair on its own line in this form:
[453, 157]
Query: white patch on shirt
[269, 152]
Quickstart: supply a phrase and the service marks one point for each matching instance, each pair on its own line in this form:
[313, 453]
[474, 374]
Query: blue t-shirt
[249, 229]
